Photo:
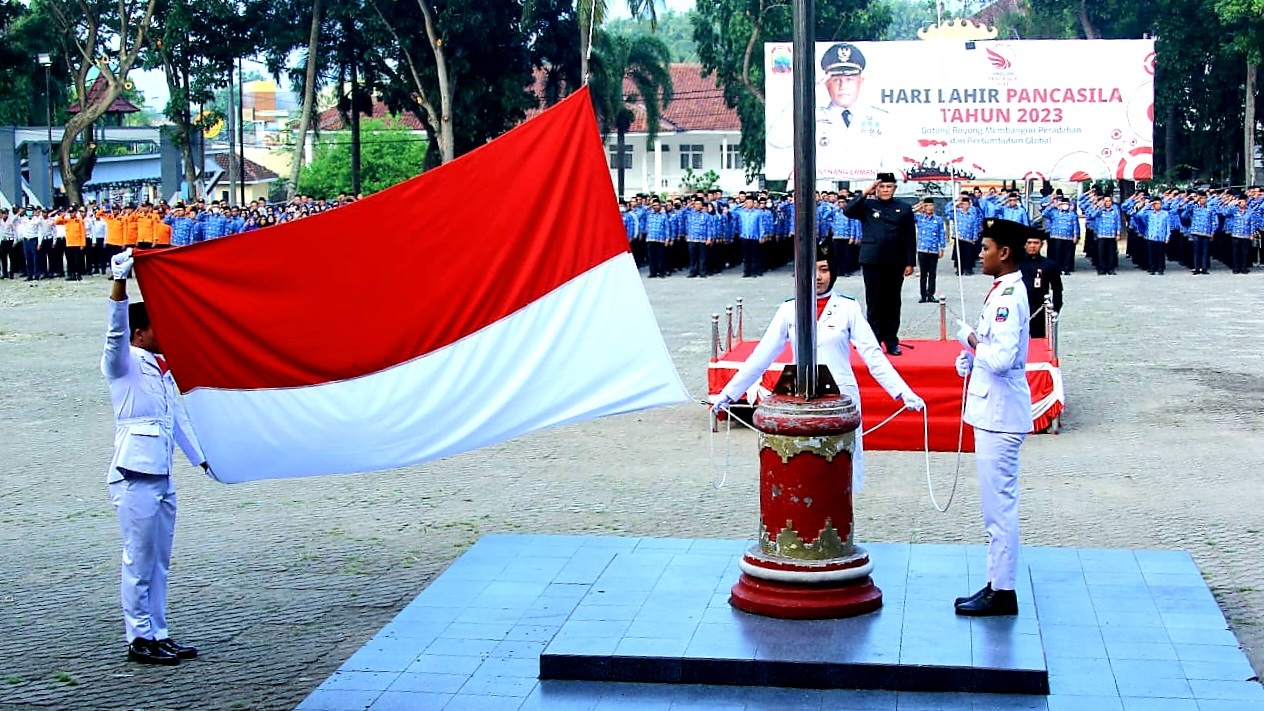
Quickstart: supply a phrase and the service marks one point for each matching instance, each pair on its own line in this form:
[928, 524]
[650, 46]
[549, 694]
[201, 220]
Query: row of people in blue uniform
[707, 232]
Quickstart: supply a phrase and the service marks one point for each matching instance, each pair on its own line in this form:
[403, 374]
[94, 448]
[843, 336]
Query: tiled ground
[661, 614]
[1122, 631]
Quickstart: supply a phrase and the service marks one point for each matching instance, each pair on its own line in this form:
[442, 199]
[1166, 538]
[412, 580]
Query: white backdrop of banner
[987, 110]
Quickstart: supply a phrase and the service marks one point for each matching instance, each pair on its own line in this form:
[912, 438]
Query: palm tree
[644, 61]
[592, 14]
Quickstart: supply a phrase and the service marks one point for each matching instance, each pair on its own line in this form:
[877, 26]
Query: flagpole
[804, 20]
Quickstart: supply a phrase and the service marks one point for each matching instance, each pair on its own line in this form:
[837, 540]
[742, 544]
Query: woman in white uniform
[840, 325]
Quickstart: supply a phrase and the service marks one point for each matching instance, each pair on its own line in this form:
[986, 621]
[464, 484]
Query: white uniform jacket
[149, 418]
[998, 398]
[840, 326]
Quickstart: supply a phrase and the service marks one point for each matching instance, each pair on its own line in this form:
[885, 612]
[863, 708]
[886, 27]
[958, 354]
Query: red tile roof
[331, 120]
[118, 106]
[255, 173]
[698, 106]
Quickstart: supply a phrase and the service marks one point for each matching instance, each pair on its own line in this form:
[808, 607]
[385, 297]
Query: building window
[690, 156]
[733, 158]
[626, 158]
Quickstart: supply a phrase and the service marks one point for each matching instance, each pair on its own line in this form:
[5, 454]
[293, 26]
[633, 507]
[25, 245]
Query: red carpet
[927, 366]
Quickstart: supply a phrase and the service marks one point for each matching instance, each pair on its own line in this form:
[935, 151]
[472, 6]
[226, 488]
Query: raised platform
[665, 617]
[1121, 630]
[928, 367]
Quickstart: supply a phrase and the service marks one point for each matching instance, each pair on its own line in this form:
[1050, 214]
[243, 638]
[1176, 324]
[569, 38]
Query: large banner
[932, 110]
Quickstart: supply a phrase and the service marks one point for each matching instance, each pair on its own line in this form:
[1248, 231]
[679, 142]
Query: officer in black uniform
[1042, 276]
[888, 253]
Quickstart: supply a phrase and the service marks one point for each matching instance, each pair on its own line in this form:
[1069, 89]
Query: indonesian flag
[485, 299]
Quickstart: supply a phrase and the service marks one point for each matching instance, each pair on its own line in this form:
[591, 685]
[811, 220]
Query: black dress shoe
[147, 651]
[993, 603]
[894, 350]
[983, 591]
[180, 650]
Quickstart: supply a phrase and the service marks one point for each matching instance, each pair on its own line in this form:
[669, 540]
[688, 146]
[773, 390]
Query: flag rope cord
[930, 486]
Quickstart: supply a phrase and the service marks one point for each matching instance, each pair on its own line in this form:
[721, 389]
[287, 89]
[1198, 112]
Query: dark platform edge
[806, 675]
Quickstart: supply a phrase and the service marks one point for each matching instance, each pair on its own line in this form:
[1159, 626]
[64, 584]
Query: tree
[194, 43]
[392, 154]
[309, 94]
[486, 61]
[644, 61]
[674, 28]
[730, 36]
[592, 15]
[1246, 18]
[106, 39]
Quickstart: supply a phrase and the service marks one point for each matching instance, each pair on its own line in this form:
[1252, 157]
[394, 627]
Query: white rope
[930, 485]
[592, 22]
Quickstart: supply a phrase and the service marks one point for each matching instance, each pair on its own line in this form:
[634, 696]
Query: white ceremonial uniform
[149, 421]
[841, 325]
[998, 406]
[853, 142]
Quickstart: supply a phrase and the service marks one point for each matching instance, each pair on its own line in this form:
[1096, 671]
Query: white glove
[121, 265]
[720, 403]
[965, 363]
[913, 402]
[964, 331]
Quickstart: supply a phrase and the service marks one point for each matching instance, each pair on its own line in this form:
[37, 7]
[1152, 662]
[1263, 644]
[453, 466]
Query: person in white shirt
[149, 420]
[840, 325]
[998, 407]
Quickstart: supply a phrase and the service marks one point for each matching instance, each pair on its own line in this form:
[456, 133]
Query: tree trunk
[1090, 30]
[447, 133]
[1249, 123]
[355, 129]
[1170, 159]
[309, 98]
[234, 175]
[619, 143]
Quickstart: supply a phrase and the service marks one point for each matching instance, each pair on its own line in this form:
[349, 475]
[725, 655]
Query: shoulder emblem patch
[1008, 291]
[1002, 314]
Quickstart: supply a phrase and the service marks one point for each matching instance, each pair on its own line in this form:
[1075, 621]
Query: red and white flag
[485, 299]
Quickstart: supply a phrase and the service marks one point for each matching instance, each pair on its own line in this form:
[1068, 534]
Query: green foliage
[693, 182]
[391, 154]
[909, 17]
[724, 29]
[675, 29]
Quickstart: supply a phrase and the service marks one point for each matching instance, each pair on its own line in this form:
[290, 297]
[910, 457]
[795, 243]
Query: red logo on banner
[998, 61]
[1148, 63]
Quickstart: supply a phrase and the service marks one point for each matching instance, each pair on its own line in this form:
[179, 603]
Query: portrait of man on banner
[849, 130]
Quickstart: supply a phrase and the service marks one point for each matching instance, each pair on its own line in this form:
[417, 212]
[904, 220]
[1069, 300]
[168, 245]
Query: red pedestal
[806, 564]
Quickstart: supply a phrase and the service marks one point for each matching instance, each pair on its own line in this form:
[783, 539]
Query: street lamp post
[46, 61]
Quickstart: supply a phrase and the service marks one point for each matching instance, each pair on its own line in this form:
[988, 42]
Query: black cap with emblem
[1007, 233]
[843, 59]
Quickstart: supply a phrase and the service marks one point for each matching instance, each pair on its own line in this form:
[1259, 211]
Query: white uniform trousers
[996, 454]
[146, 506]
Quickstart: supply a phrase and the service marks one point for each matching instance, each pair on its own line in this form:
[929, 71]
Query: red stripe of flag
[395, 276]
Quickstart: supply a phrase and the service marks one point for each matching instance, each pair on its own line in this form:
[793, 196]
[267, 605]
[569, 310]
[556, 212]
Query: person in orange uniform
[145, 227]
[76, 240]
[131, 234]
[114, 236]
[162, 231]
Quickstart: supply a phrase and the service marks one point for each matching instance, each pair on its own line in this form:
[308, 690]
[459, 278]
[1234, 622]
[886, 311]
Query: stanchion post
[1053, 334]
[728, 336]
[740, 309]
[715, 336]
[943, 317]
[1049, 314]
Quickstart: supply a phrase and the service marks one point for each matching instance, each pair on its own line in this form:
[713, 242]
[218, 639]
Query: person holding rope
[840, 325]
[998, 407]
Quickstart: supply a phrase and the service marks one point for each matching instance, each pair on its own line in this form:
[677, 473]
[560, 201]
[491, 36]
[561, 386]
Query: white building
[697, 132]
